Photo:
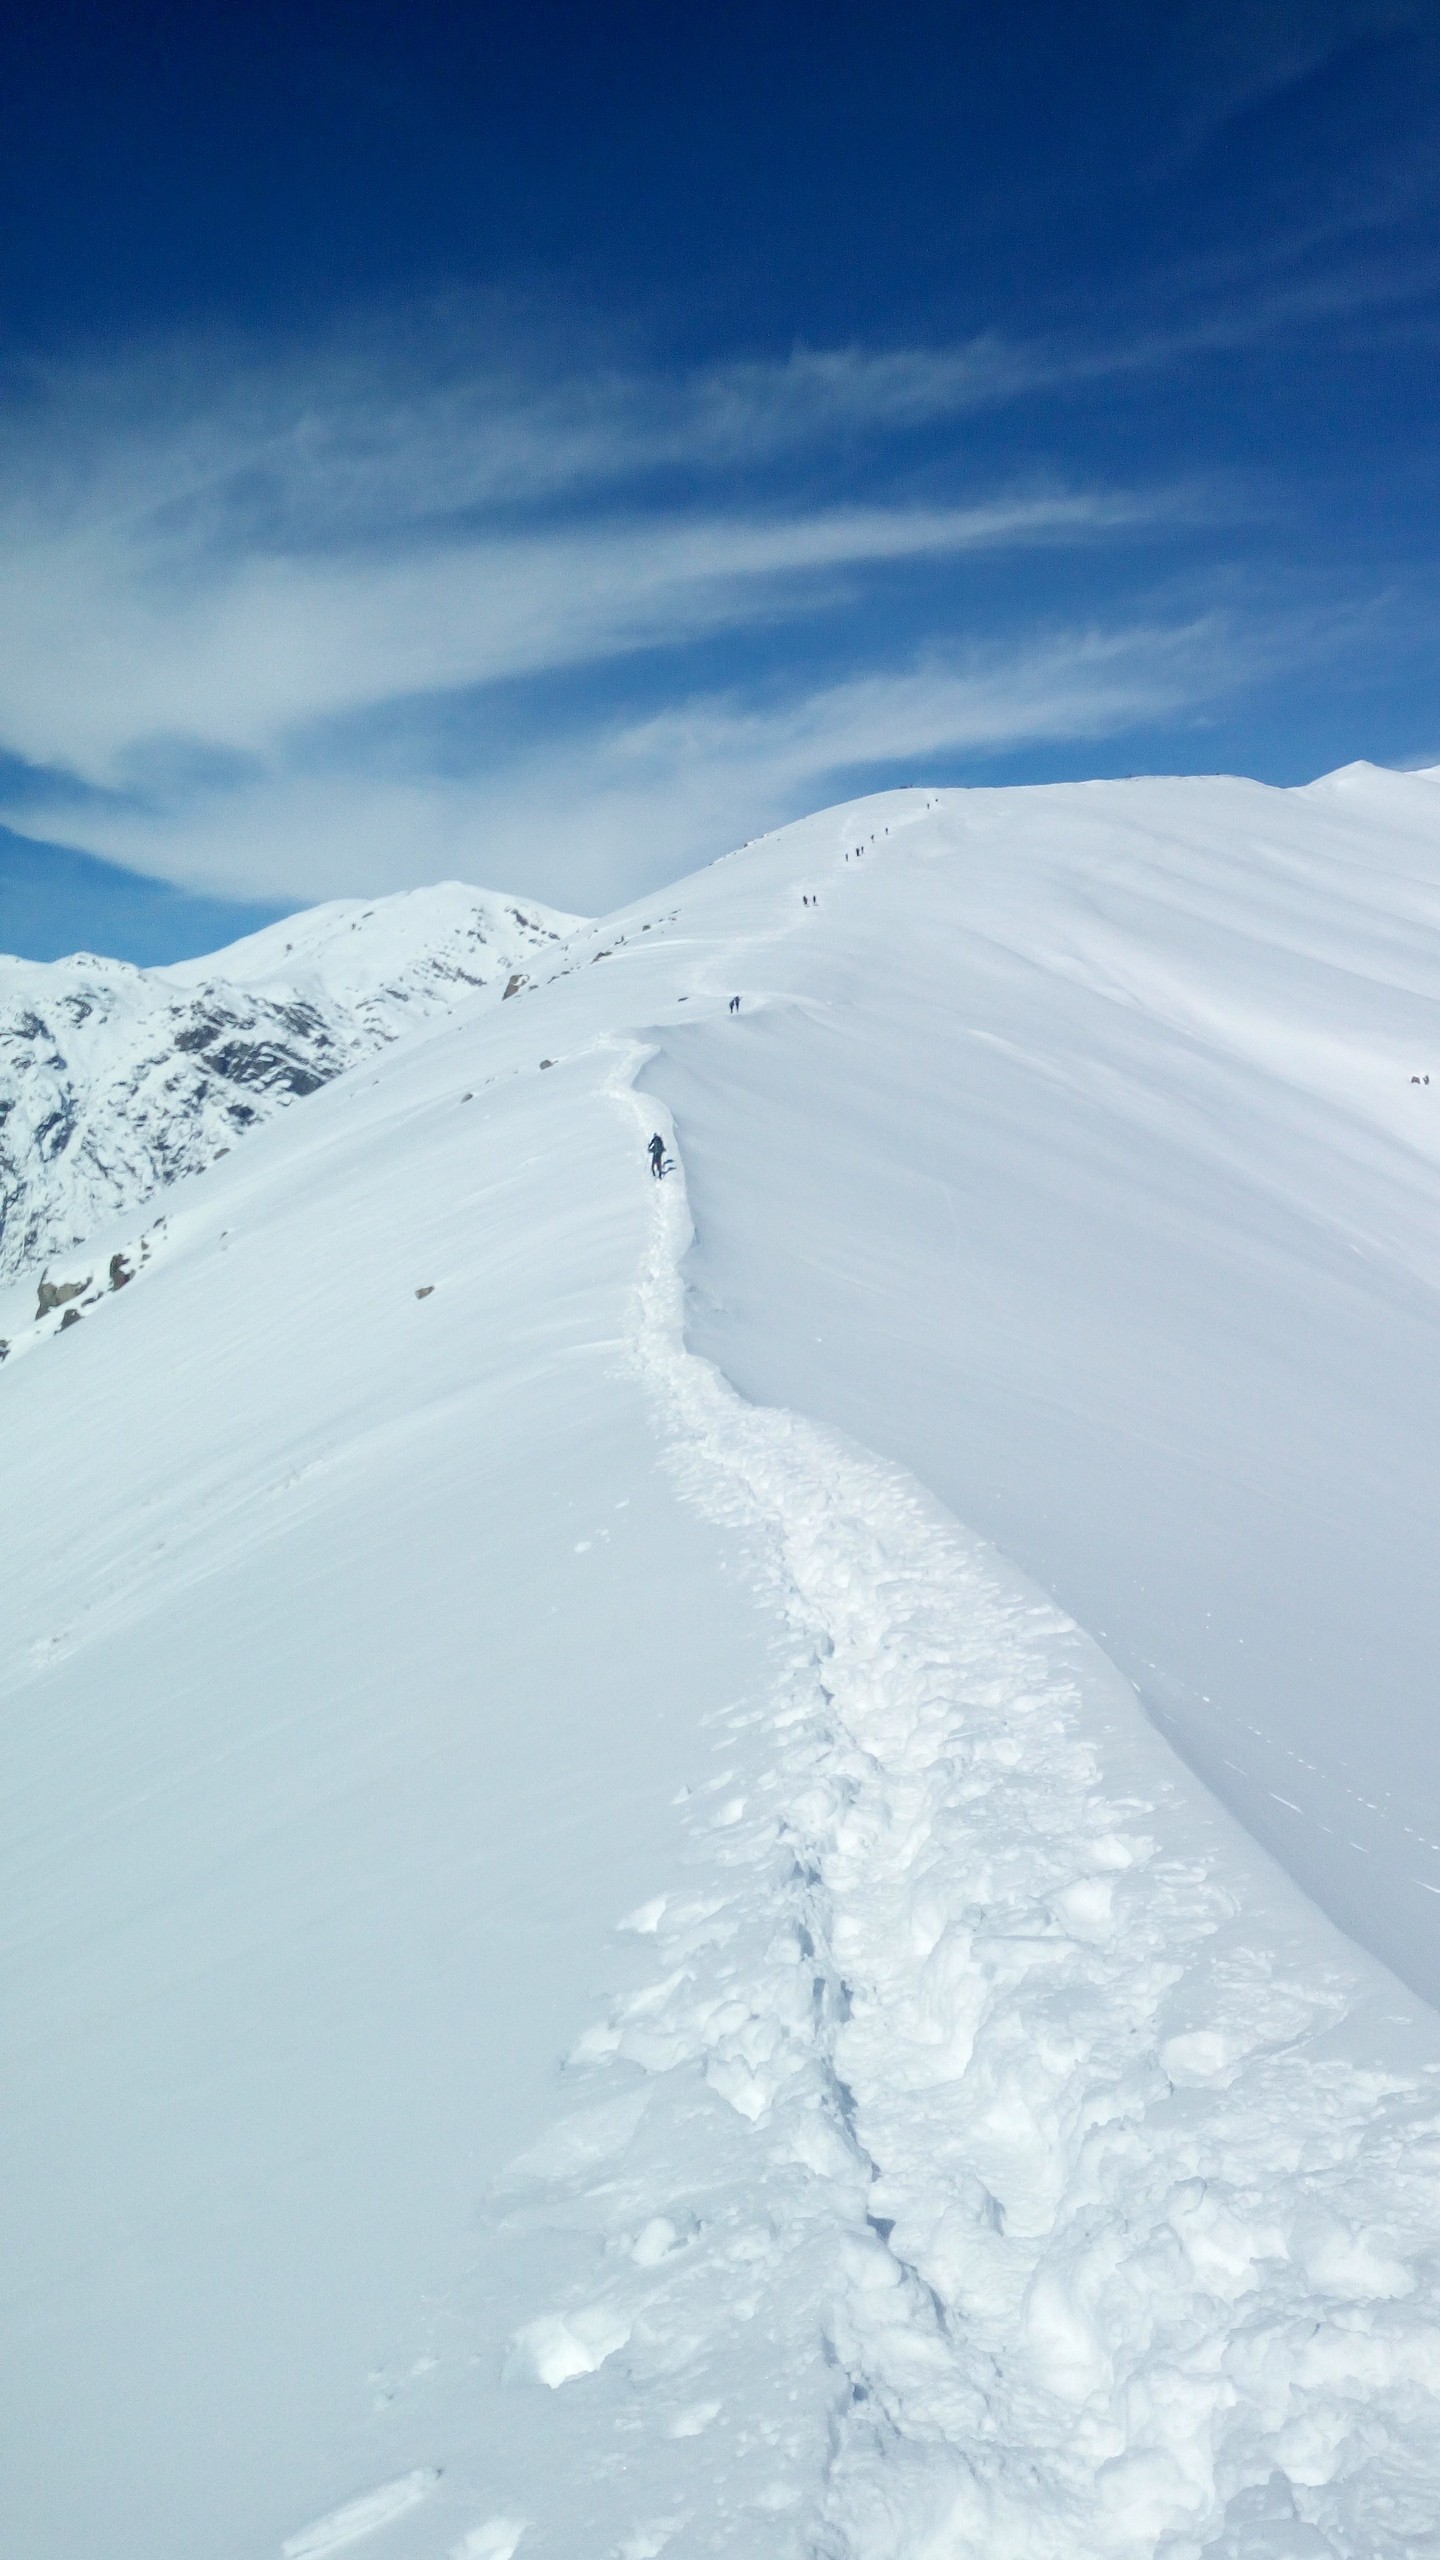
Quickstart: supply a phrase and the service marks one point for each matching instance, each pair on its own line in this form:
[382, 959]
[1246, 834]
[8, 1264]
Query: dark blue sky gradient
[1191, 251]
[56, 901]
[750, 175]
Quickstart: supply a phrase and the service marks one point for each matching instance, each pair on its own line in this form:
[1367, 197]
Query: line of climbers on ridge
[659, 1162]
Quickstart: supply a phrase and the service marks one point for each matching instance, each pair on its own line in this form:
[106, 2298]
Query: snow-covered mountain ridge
[116, 1081]
[604, 1951]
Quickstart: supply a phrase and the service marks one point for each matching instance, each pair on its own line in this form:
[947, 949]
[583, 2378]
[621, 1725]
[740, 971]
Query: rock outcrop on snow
[115, 1081]
[58, 1293]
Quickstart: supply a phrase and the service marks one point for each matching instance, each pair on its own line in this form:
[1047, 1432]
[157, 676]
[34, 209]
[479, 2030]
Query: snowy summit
[116, 1080]
[748, 1862]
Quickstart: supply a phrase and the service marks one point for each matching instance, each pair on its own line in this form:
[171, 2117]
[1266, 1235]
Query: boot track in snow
[1115, 2240]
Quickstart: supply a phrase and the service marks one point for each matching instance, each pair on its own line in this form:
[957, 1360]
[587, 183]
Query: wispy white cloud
[194, 448]
[617, 805]
[1072, 684]
[215, 568]
[198, 446]
[647, 798]
[99, 655]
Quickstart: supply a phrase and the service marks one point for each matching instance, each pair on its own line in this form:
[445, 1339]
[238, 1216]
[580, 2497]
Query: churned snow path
[1078, 2147]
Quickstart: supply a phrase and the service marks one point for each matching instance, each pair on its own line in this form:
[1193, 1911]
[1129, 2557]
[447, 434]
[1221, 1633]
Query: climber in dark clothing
[657, 1156]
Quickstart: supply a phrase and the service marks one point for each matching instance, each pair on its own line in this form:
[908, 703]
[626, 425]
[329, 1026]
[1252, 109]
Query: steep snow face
[418, 1663]
[115, 1081]
[1084, 1157]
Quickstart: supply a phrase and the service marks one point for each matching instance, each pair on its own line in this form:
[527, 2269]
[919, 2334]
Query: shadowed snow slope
[114, 1081]
[420, 1663]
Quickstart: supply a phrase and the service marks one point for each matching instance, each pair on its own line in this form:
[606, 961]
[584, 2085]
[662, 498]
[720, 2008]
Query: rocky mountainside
[115, 1081]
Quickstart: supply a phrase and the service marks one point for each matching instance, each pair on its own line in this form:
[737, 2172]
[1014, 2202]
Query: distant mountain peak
[116, 1081]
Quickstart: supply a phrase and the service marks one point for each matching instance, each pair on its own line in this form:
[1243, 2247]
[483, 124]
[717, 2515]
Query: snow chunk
[359, 2516]
[560, 2347]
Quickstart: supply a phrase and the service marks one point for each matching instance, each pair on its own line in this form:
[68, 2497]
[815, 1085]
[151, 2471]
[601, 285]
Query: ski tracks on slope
[991, 2180]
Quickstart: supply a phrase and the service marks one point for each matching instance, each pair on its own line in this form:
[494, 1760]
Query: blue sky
[547, 446]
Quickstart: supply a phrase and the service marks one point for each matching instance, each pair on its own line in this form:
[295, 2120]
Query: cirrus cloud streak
[284, 629]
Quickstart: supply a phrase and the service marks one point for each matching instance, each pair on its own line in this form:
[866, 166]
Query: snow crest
[1119, 2237]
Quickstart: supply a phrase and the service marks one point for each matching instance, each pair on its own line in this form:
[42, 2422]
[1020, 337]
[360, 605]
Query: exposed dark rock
[115, 1082]
[71, 1316]
[54, 1133]
[58, 1293]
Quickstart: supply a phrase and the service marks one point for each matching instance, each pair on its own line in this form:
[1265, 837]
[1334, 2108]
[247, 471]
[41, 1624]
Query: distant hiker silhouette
[734, 1004]
[657, 1157]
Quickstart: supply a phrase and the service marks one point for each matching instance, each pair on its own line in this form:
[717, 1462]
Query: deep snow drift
[115, 1081]
[420, 1665]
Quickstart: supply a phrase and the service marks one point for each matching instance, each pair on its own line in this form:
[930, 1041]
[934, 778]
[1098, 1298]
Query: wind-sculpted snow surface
[116, 1081]
[1091, 2163]
[470, 1605]
[1084, 1156]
